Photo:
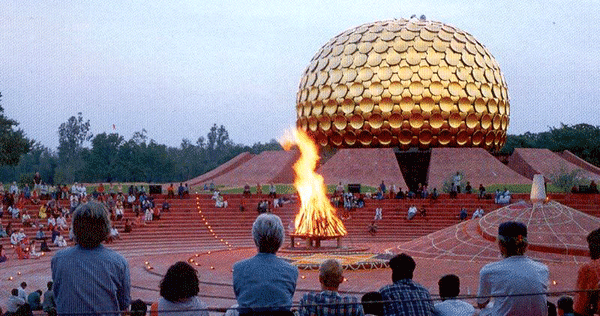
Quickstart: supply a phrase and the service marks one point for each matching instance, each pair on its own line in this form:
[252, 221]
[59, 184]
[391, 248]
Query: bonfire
[316, 218]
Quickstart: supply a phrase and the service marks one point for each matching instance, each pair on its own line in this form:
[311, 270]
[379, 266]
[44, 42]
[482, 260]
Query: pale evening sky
[176, 67]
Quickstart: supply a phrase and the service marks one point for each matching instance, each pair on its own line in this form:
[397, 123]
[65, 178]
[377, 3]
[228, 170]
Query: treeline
[84, 157]
[583, 140]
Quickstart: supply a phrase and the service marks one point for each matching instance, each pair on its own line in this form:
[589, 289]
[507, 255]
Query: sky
[175, 68]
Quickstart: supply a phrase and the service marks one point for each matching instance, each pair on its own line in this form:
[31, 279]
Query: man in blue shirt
[89, 277]
[405, 296]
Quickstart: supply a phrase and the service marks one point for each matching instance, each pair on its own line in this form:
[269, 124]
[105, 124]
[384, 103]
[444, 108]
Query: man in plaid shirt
[404, 296]
[329, 301]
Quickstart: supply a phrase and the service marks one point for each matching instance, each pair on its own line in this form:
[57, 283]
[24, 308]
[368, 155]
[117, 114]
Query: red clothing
[587, 279]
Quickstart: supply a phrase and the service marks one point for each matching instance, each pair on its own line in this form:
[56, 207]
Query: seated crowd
[264, 284]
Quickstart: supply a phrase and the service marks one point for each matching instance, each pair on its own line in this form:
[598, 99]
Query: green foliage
[583, 140]
[13, 143]
[565, 180]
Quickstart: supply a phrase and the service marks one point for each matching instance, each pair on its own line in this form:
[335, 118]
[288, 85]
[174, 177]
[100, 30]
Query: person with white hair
[329, 301]
[265, 283]
[88, 277]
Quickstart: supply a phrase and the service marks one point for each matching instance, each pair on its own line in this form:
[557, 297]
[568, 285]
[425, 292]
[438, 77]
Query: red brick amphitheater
[405, 102]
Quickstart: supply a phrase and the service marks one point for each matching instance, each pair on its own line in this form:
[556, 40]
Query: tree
[13, 142]
[102, 160]
[72, 135]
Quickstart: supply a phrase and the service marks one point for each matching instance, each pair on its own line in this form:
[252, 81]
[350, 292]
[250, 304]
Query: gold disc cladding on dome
[398, 83]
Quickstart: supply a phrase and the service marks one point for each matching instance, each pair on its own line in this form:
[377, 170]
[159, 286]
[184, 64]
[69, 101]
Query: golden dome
[407, 84]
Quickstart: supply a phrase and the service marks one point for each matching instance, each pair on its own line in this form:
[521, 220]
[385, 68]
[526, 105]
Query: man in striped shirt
[329, 301]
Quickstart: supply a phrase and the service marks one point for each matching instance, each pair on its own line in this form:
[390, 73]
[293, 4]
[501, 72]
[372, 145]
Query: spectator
[315, 304]
[3, 257]
[178, 290]
[468, 188]
[462, 215]
[89, 277]
[272, 191]
[265, 280]
[449, 286]
[181, 190]
[565, 306]
[405, 296]
[246, 192]
[22, 292]
[371, 303]
[588, 278]
[128, 227]
[479, 212]
[515, 274]
[49, 305]
[412, 211]
[373, 228]
[171, 191]
[33, 254]
[138, 308]
[166, 206]
[14, 301]
[35, 300]
[378, 214]
[481, 191]
[382, 187]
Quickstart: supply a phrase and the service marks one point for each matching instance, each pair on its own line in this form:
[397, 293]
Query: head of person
[91, 224]
[512, 239]
[402, 266]
[593, 240]
[49, 285]
[23, 284]
[331, 274]
[180, 282]
[565, 305]
[268, 233]
[138, 308]
[14, 292]
[372, 304]
[449, 286]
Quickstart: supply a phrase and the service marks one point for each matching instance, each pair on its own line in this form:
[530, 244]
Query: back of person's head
[14, 292]
[449, 286]
[512, 237]
[138, 308]
[23, 284]
[180, 282]
[268, 233]
[371, 303]
[402, 266]
[23, 310]
[49, 285]
[331, 273]
[91, 224]
[593, 240]
[565, 303]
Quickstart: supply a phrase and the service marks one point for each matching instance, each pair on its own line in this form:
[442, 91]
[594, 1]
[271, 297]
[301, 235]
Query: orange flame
[316, 217]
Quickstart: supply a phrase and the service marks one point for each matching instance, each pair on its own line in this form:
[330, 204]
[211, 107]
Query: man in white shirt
[449, 286]
[515, 274]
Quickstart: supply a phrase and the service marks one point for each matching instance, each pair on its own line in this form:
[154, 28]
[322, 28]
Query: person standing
[89, 277]
[515, 274]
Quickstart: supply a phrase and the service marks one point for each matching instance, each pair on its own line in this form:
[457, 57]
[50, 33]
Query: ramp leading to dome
[268, 166]
[366, 166]
[556, 233]
[530, 161]
[477, 165]
[570, 157]
[222, 169]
